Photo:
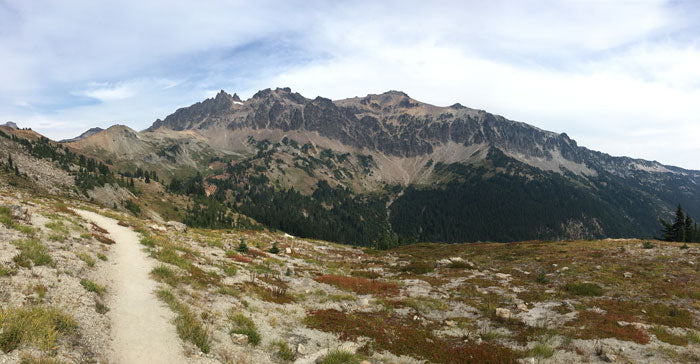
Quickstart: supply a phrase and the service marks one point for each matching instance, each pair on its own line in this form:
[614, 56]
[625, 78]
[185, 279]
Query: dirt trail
[142, 331]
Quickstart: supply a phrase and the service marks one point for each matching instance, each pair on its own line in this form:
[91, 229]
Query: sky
[622, 77]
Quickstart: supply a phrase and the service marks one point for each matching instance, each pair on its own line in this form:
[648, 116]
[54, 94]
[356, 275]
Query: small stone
[628, 275]
[564, 269]
[415, 318]
[365, 362]
[503, 313]
[523, 307]
[530, 361]
[288, 250]
[364, 302]
[608, 357]
[598, 267]
[555, 265]
[239, 339]
[301, 349]
[450, 323]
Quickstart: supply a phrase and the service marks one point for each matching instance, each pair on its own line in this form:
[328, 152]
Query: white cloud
[620, 77]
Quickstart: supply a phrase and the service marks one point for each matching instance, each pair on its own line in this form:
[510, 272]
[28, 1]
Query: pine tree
[9, 160]
[678, 227]
[689, 232]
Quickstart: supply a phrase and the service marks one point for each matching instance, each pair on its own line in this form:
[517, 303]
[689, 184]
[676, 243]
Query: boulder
[523, 307]
[288, 250]
[503, 313]
[20, 212]
[364, 302]
[627, 275]
[301, 349]
[177, 226]
[157, 228]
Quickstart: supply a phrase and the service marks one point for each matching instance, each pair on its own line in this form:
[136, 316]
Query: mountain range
[390, 168]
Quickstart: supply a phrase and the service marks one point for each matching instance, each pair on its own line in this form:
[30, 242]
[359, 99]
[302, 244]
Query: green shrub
[242, 247]
[244, 326]
[340, 357]
[542, 351]
[274, 249]
[91, 286]
[584, 289]
[542, 278]
[648, 245]
[283, 350]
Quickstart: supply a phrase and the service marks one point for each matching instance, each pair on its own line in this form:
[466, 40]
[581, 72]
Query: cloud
[620, 77]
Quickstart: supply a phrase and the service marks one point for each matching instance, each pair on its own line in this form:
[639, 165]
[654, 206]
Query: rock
[364, 302]
[177, 226]
[502, 276]
[288, 250]
[598, 267]
[608, 357]
[529, 361]
[564, 269]
[157, 228]
[365, 362]
[239, 339]
[301, 349]
[503, 313]
[555, 265]
[450, 323]
[523, 307]
[628, 275]
[20, 212]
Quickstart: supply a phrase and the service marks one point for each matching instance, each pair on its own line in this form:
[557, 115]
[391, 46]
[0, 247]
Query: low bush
[340, 357]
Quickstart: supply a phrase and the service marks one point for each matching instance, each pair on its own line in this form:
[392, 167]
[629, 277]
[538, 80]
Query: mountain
[84, 135]
[390, 168]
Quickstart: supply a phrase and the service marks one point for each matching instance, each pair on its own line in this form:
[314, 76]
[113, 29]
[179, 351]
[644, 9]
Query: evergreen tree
[9, 160]
[688, 227]
[242, 247]
[678, 227]
[274, 249]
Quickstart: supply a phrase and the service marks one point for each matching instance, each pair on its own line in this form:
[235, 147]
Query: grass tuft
[340, 357]
[38, 326]
[165, 274]
[91, 286]
[244, 326]
[31, 251]
[584, 289]
[188, 326]
[360, 285]
[85, 257]
[283, 350]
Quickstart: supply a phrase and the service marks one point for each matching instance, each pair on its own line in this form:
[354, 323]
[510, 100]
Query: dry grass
[38, 326]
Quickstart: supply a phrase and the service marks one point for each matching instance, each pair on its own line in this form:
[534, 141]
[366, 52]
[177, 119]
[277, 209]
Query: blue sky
[622, 77]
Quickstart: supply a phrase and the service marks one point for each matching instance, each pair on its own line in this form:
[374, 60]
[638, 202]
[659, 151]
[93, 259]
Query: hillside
[243, 296]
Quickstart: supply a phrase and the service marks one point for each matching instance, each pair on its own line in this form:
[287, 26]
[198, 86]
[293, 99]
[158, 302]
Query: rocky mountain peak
[89, 132]
[11, 125]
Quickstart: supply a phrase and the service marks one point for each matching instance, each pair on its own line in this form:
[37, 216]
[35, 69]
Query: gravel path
[142, 331]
